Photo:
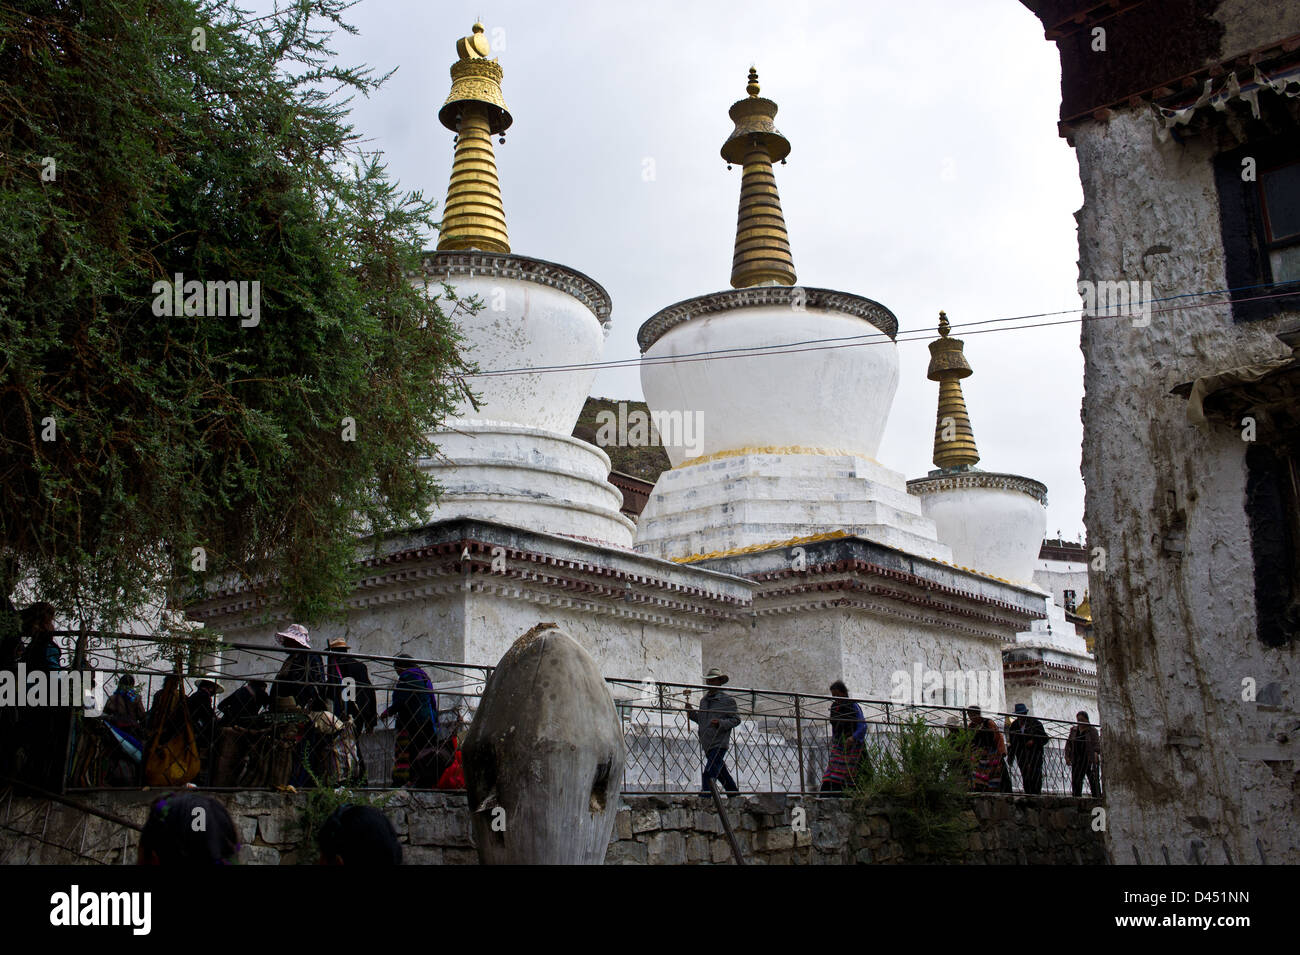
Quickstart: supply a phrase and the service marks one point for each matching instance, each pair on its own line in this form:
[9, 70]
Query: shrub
[920, 776]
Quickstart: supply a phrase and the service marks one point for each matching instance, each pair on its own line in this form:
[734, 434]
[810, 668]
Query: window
[1269, 394]
[1279, 198]
[1273, 509]
[1260, 220]
[1069, 601]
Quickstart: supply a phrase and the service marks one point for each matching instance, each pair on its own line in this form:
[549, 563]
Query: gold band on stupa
[762, 254]
[473, 216]
[954, 439]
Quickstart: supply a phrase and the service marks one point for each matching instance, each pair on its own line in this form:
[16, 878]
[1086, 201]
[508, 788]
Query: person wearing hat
[348, 687]
[241, 708]
[1027, 746]
[202, 708]
[300, 684]
[716, 718]
[1083, 756]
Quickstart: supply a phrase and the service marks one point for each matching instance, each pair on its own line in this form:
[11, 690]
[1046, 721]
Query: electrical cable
[877, 338]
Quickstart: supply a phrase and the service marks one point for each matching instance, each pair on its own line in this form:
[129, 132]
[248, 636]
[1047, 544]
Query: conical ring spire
[473, 217]
[954, 439]
[762, 255]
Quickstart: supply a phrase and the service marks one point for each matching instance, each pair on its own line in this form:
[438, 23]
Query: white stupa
[789, 437]
[993, 522]
[511, 458]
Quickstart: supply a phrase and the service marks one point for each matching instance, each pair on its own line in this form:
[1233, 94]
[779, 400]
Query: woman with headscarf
[848, 732]
[989, 750]
[123, 728]
[415, 707]
[124, 709]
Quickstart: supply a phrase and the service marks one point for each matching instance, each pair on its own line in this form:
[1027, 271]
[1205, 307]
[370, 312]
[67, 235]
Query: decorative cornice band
[796, 297]
[1055, 676]
[862, 599]
[839, 575]
[467, 562]
[968, 479]
[438, 265]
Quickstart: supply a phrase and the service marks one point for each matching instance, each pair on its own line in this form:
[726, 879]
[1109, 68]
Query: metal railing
[781, 745]
[783, 742]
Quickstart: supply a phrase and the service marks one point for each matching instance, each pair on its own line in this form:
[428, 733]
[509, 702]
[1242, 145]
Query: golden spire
[762, 245]
[473, 217]
[954, 441]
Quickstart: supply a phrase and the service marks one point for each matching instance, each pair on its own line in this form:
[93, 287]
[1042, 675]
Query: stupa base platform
[528, 478]
[731, 501]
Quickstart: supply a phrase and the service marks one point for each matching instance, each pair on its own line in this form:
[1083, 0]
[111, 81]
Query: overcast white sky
[925, 173]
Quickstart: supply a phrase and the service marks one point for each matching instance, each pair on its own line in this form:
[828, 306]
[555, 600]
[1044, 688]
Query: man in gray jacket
[715, 717]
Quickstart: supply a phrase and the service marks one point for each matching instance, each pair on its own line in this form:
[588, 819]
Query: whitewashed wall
[1176, 635]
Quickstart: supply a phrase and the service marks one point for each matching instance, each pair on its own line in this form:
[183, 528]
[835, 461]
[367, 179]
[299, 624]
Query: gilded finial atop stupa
[762, 255]
[954, 439]
[473, 217]
[474, 46]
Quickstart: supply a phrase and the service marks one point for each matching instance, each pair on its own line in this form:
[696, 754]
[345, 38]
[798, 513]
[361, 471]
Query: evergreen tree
[139, 442]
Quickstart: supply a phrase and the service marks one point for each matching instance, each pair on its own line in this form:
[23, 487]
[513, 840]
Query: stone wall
[792, 830]
[650, 830]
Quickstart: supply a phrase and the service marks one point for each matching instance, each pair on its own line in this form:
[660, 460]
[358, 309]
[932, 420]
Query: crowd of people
[983, 748]
[303, 727]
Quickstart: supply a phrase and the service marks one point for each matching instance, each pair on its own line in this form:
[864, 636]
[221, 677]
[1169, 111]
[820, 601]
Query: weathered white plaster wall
[874, 649]
[479, 627]
[1175, 631]
[622, 648]
[796, 653]
[804, 652]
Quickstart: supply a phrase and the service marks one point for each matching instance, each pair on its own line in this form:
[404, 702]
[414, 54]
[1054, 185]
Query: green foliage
[922, 779]
[230, 163]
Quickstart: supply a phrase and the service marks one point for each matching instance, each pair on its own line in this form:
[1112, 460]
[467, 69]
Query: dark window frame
[1272, 242]
[1244, 228]
[1273, 511]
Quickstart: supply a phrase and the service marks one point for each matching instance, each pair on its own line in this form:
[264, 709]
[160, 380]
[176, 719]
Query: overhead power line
[880, 338]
